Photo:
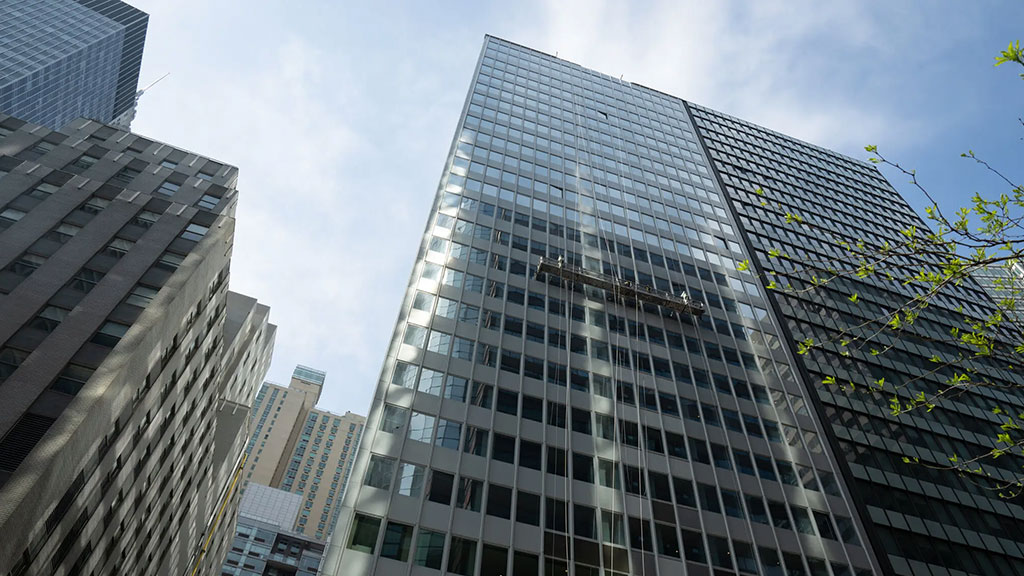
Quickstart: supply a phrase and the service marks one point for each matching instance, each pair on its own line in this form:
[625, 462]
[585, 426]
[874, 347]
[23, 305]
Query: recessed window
[410, 479]
[71, 379]
[145, 218]
[195, 232]
[429, 549]
[109, 334]
[42, 191]
[125, 175]
[397, 542]
[493, 560]
[440, 487]
[49, 318]
[476, 441]
[208, 202]
[448, 434]
[63, 232]
[94, 205]
[84, 162]
[504, 448]
[668, 541]
[25, 264]
[364, 533]
[470, 495]
[168, 188]
[85, 280]
[528, 508]
[10, 216]
[169, 164]
[42, 147]
[462, 556]
[379, 472]
[499, 501]
[141, 296]
[421, 427]
[118, 247]
[393, 418]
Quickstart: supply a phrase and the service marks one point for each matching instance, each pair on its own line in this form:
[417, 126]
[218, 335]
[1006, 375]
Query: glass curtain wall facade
[926, 521]
[65, 59]
[526, 425]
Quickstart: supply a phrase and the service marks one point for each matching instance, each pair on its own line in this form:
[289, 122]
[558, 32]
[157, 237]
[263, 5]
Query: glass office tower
[65, 59]
[582, 382]
[925, 521]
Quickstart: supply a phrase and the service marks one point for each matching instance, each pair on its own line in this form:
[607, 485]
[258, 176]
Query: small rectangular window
[397, 542]
[410, 479]
[364, 533]
[470, 494]
[109, 334]
[440, 487]
[195, 232]
[379, 472]
[429, 549]
[499, 501]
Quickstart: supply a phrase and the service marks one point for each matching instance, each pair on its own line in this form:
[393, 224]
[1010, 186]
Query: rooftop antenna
[125, 119]
[151, 84]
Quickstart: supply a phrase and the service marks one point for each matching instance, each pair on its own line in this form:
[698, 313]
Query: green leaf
[1012, 53]
[853, 298]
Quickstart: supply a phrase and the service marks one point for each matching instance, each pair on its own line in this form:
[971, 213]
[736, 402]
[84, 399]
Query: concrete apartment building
[126, 366]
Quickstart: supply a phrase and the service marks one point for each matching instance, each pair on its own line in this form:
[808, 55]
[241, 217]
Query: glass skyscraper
[65, 59]
[581, 381]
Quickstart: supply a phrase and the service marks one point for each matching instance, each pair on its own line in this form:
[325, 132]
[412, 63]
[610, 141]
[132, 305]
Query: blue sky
[340, 115]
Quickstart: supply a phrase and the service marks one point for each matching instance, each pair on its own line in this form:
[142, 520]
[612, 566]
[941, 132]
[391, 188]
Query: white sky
[340, 115]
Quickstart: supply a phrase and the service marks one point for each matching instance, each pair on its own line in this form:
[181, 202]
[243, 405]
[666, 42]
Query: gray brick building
[126, 367]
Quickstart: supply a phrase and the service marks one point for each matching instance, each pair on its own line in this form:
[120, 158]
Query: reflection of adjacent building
[1005, 282]
[302, 449]
[265, 543]
[127, 368]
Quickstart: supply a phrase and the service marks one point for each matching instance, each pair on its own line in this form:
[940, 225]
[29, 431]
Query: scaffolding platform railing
[624, 288]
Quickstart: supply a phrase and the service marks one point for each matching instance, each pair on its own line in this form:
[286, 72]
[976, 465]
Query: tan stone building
[301, 449]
